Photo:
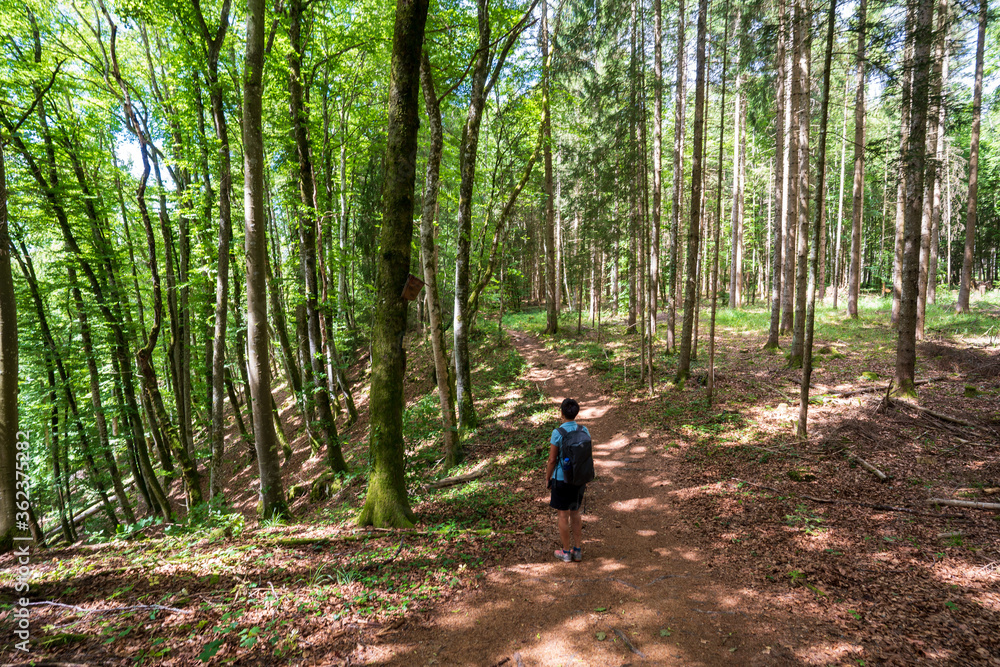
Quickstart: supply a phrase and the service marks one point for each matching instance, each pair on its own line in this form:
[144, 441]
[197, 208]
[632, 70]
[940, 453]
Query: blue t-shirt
[556, 440]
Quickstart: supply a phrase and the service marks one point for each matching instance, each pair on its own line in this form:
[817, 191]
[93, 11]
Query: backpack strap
[562, 433]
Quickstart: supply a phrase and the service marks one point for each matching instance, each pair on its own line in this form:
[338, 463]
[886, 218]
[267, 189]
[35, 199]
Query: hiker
[570, 467]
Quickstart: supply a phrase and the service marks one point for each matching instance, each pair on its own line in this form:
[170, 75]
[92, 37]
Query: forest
[757, 240]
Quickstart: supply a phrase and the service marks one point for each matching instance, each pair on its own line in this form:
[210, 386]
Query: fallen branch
[830, 501]
[631, 646]
[972, 504]
[459, 479]
[867, 390]
[940, 415]
[870, 468]
[112, 610]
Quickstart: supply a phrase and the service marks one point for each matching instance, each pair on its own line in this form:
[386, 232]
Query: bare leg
[564, 526]
[577, 524]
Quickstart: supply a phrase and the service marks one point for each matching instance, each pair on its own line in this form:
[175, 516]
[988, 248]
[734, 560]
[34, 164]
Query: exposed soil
[642, 575]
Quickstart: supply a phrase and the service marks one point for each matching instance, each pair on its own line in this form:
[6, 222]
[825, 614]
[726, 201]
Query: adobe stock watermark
[22, 544]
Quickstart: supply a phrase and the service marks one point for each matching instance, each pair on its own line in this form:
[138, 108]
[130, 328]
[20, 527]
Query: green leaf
[601, 636]
[211, 648]
[601, 609]
[665, 633]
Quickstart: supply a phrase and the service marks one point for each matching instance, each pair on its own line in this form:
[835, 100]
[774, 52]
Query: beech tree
[386, 503]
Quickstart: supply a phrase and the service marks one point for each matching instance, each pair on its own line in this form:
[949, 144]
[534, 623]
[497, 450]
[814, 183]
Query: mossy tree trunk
[386, 503]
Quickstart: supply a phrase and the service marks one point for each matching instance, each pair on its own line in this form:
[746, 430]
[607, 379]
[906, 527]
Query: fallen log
[972, 504]
[458, 479]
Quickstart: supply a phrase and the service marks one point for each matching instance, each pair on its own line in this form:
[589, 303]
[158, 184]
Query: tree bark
[801, 91]
[858, 206]
[962, 304]
[814, 250]
[914, 173]
[96, 402]
[790, 198]
[905, 111]
[932, 193]
[654, 253]
[840, 202]
[694, 231]
[468, 152]
[781, 138]
[710, 383]
[386, 503]
[678, 176]
[272, 496]
[452, 444]
[551, 307]
[940, 157]
[9, 422]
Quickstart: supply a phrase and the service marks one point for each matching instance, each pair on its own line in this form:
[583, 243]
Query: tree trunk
[710, 383]
[654, 254]
[678, 176]
[790, 198]
[9, 440]
[694, 235]
[272, 496]
[905, 111]
[914, 172]
[840, 201]
[858, 206]
[551, 307]
[962, 305]
[931, 191]
[781, 138]
[739, 181]
[452, 444]
[467, 167]
[386, 503]
[96, 402]
[815, 256]
[940, 157]
[801, 88]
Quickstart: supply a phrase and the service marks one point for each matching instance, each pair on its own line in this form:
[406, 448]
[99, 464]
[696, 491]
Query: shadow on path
[637, 579]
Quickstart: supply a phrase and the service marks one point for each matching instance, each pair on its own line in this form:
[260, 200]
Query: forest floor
[710, 536]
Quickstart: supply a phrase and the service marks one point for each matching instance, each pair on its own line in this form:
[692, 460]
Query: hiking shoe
[577, 554]
[563, 555]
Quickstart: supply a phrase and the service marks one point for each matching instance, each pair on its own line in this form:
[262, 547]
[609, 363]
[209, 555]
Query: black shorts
[566, 496]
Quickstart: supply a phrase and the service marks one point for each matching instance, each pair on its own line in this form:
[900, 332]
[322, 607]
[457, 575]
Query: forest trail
[638, 576]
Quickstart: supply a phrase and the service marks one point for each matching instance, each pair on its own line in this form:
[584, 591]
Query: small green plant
[811, 524]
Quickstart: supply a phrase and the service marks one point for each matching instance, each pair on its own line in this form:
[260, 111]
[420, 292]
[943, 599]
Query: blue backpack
[576, 456]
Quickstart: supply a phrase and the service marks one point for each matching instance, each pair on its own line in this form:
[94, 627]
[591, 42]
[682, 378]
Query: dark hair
[570, 408]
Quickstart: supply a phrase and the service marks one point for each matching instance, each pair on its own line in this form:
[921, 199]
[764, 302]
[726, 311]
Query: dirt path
[639, 576]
